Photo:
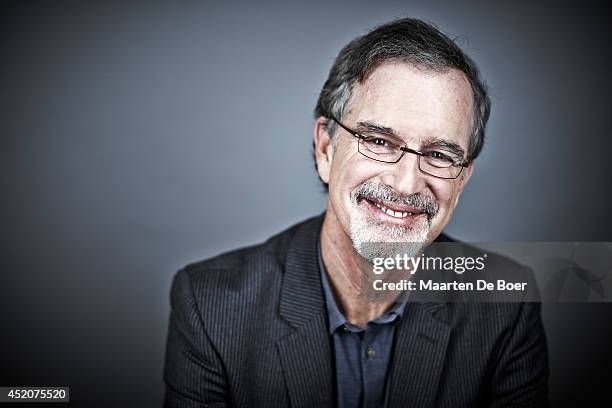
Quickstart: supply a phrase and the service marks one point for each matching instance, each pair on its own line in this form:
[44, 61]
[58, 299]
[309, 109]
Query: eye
[439, 156]
[380, 141]
[381, 145]
[438, 159]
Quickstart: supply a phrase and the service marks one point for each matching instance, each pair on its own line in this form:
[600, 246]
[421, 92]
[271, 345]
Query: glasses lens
[381, 148]
[451, 172]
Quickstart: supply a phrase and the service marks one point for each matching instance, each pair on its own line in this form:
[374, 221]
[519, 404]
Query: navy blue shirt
[362, 356]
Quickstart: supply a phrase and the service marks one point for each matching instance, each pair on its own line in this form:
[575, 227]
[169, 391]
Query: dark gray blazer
[249, 328]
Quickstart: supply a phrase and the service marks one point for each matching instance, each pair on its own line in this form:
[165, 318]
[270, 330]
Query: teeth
[392, 213]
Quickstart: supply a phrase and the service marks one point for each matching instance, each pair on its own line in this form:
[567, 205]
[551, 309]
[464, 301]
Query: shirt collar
[336, 317]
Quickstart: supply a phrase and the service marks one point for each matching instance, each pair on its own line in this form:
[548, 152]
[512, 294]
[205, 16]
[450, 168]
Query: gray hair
[405, 40]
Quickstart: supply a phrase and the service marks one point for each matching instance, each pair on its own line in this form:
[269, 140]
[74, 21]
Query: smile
[392, 213]
[396, 212]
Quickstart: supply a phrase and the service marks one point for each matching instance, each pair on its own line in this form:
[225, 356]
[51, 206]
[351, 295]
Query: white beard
[373, 239]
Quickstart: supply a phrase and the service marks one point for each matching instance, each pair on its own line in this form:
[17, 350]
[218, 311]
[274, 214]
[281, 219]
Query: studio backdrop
[137, 137]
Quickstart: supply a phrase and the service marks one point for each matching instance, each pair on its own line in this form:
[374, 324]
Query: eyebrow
[372, 127]
[429, 143]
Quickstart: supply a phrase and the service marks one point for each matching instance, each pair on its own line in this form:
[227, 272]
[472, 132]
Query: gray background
[138, 137]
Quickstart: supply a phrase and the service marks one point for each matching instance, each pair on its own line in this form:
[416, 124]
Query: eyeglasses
[389, 149]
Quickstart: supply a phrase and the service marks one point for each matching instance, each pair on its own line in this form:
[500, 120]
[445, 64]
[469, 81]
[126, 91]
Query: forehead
[417, 104]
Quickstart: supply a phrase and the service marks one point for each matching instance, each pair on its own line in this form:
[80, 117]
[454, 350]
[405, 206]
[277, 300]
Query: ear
[323, 148]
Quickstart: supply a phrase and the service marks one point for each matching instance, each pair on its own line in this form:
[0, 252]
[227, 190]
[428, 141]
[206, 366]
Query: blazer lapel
[420, 348]
[305, 354]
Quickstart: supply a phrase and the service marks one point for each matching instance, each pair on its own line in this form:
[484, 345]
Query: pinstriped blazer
[249, 329]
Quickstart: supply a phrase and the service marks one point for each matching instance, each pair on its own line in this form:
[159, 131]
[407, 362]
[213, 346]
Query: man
[399, 123]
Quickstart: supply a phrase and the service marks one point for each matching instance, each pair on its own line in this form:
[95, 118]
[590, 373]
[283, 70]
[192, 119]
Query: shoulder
[239, 274]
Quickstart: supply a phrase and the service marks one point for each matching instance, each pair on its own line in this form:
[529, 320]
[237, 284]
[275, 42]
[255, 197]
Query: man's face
[391, 202]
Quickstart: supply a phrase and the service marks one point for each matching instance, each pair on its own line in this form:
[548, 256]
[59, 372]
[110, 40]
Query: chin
[376, 234]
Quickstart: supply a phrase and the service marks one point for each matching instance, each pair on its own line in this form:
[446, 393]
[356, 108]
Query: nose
[404, 176]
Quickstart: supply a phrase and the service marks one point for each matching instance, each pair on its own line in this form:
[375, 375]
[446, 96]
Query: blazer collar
[419, 353]
[302, 294]
[306, 355]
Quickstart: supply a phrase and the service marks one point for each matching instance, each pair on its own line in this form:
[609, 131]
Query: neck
[343, 265]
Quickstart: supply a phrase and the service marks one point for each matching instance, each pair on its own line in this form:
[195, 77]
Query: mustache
[381, 192]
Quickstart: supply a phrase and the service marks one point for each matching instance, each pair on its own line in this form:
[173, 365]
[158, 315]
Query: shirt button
[370, 352]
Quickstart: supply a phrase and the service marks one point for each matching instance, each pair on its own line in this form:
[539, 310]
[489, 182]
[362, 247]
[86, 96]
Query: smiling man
[399, 124]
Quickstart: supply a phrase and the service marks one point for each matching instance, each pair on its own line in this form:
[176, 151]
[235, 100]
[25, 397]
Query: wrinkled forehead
[416, 103]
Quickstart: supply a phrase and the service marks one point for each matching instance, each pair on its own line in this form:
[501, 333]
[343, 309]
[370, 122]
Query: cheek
[444, 192]
[348, 170]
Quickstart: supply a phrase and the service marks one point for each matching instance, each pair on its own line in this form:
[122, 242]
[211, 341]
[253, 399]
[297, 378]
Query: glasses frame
[405, 149]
